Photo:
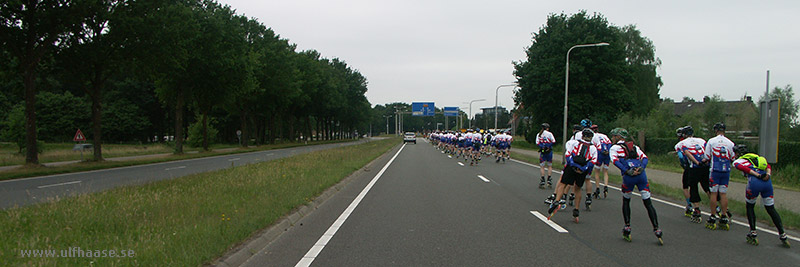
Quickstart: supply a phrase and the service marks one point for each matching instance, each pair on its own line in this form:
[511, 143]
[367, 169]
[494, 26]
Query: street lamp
[566, 85]
[495, 102]
[387, 122]
[470, 110]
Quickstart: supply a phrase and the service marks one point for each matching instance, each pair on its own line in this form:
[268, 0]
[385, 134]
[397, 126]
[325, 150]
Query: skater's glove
[577, 170]
[764, 177]
[630, 172]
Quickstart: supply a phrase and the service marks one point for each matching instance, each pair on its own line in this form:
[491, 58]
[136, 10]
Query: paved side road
[786, 199]
[26, 191]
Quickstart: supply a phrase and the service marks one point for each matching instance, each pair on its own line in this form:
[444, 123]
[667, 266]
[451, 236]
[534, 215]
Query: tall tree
[642, 64]
[598, 75]
[31, 31]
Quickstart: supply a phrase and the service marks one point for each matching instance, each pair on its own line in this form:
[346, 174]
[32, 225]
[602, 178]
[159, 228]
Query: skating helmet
[586, 123]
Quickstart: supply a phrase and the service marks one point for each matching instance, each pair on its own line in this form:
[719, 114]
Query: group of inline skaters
[706, 163]
[473, 144]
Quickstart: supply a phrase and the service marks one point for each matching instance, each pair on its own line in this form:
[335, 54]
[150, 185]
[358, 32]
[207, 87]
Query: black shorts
[570, 177]
[697, 175]
[685, 179]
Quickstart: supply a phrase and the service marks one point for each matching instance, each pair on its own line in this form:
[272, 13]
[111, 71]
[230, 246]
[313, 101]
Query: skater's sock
[751, 216]
[776, 218]
[626, 210]
[688, 203]
[651, 212]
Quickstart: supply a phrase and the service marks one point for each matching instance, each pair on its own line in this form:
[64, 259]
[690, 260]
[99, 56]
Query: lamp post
[566, 86]
[495, 102]
[470, 110]
[387, 122]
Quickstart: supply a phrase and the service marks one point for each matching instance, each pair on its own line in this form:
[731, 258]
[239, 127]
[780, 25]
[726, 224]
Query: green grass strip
[791, 220]
[187, 221]
[90, 165]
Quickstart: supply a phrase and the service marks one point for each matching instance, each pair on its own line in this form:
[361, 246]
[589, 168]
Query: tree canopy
[604, 81]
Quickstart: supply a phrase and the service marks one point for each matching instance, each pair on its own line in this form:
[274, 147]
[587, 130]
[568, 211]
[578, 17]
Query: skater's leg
[776, 218]
[751, 215]
[651, 211]
[626, 210]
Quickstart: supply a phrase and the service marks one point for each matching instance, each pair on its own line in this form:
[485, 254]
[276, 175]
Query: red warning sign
[79, 136]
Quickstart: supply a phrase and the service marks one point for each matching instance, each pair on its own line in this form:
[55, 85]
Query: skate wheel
[627, 238]
[660, 241]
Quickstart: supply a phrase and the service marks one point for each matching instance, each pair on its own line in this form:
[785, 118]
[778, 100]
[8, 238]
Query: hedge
[788, 151]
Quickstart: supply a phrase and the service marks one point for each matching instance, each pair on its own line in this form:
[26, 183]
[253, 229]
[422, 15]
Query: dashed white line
[322, 241]
[549, 222]
[59, 184]
[459, 163]
[175, 168]
[483, 178]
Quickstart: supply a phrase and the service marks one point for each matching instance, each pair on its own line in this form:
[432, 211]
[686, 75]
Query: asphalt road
[26, 191]
[425, 209]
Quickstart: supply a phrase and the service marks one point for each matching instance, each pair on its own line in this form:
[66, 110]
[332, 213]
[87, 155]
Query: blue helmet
[586, 123]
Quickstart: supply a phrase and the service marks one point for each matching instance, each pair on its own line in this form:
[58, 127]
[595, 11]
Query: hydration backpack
[580, 159]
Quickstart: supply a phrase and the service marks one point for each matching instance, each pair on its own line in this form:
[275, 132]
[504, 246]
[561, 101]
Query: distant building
[740, 116]
[490, 111]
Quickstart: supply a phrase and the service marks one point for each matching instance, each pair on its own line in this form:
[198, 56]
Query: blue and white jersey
[545, 139]
[692, 147]
[720, 152]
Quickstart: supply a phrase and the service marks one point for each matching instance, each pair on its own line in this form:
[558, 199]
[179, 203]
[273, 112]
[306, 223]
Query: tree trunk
[318, 132]
[179, 121]
[32, 152]
[205, 130]
[271, 129]
[97, 112]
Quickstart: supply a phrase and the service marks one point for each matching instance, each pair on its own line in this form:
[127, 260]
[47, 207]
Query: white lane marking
[459, 163]
[677, 205]
[549, 222]
[317, 248]
[234, 159]
[449, 156]
[270, 154]
[66, 183]
[175, 168]
[483, 178]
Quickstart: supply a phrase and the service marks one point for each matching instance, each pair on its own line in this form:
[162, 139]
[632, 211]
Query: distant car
[410, 137]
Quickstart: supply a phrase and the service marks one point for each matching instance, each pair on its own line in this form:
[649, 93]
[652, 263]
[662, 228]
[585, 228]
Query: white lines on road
[270, 154]
[766, 230]
[317, 248]
[175, 168]
[234, 159]
[549, 222]
[59, 184]
[483, 178]
[459, 163]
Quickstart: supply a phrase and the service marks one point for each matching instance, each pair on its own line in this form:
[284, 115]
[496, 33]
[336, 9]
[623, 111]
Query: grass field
[88, 165]
[187, 221]
[55, 152]
[790, 219]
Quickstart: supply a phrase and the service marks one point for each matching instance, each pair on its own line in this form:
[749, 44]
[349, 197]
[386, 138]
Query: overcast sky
[451, 52]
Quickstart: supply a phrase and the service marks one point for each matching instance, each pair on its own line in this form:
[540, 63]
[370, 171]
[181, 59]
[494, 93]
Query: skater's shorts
[571, 177]
[477, 146]
[602, 160]
[546, 157]
[756, 187]
[639, 181]
[718, 182]
[685, 181]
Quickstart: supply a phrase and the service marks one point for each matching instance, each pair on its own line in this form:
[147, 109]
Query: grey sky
[451, 52]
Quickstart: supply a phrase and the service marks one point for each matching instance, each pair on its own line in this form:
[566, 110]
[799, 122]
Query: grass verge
[791, 220]
[90, 165]
[186, 221]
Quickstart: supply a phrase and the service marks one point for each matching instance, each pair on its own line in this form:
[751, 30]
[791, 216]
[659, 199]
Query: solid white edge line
[323, 240]
[59, 184]
[762, 229]
[483, 178]
[549, 222]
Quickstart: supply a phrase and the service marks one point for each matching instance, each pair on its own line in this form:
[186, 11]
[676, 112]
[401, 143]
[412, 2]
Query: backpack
[580, 159]
[630, 150]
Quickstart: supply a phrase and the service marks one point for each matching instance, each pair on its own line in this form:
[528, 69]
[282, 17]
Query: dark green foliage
[604, 81]
[61, 115]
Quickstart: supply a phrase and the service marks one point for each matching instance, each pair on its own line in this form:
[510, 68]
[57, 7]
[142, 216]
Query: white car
[410, 137]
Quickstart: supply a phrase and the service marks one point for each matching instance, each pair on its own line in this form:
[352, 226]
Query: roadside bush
[195, 138]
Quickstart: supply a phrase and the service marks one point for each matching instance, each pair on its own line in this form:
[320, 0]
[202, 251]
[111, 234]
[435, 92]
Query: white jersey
[577, 135]
[599, 140]
[573, 150]
[719, 151]
[477, 138]
[694, 147]
[546, 137]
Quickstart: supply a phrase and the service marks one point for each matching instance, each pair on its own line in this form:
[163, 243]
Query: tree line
[135, 70]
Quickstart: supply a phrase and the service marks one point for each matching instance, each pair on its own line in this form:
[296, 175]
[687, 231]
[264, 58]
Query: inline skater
[580, 157]
[503, 145]
[545, 141]
[719, 151]
[575, 129]
[630, 159]
[685, 175]
[693, 149]
[477, 141]
[758, 173]
[603, 144]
